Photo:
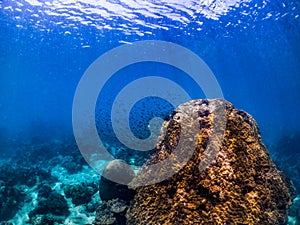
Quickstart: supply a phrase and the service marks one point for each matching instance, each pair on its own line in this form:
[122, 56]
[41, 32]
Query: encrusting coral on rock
[111, 212]
[229, 178]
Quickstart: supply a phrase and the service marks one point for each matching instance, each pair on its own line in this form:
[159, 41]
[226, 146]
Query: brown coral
[241, 184]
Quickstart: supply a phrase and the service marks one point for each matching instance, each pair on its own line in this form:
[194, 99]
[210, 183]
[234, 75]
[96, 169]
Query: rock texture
[109, 189]
[80, 193]
[111, 212]
[240, 184]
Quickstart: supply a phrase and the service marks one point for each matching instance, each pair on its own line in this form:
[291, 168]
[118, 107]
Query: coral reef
[44, 191]
[111, 212]
[50, 153]
[11, 198]
[55, 204]
[80, 193]
[15, 174]
[32, 183]
[294, 211]
[241, 185]
[286, 155]
[109, 189]
[43, 220]
[12, 180]
[71, 165]
[6, 223]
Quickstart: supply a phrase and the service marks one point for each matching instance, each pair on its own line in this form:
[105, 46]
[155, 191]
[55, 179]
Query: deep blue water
[252, 47]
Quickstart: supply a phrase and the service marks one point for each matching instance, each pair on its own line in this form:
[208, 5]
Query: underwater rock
[8, 175]
[6, 223]
[10, 200]
[240, 184]
[54, 204]
[286, 155]
[108, 189]
[71, 164]
[294, 211]
[16, 175]
[111, 212]
[43, 220]
[80, 193]
[44, 191]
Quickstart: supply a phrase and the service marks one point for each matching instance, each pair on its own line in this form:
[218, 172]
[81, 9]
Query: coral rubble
[240, 185]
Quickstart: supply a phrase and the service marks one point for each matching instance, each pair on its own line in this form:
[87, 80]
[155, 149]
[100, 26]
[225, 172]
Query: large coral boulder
[229, 178]
[109, 189]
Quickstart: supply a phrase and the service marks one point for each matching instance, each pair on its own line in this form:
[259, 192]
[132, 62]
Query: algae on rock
[240, 185]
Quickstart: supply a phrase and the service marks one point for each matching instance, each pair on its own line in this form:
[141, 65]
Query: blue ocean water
[252, 47]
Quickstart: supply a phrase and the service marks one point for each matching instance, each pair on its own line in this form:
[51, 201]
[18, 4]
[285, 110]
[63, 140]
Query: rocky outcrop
[54, 204]
[108, 189]
[80, 193]
[228, 178]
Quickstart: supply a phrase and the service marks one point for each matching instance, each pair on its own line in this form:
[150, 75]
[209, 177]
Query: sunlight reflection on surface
[124, 14]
